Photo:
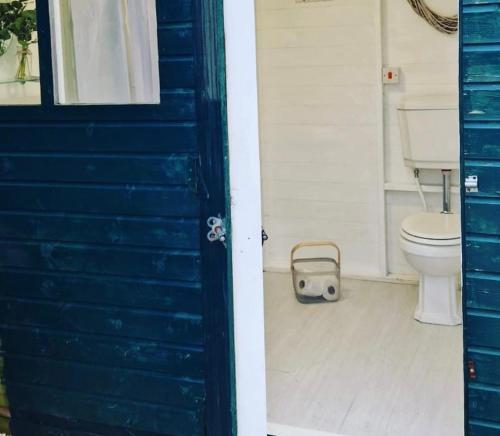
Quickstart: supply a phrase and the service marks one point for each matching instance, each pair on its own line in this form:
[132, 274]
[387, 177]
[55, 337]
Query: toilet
[431, 241]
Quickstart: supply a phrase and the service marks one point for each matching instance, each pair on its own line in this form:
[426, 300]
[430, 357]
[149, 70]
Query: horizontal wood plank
[478, 428]
[26, 428]
[481, 104]
[487, 365]
[482, 291]
[176, 105]
[150, 387]
[108, 200]
[104, 350]
[488, 180]
[54, 256]
[481, 142]
[480, 326]
[174, 10]
[176, 40]
[177, 73]
[110, 321]
[482, 216]
[481, 26]
[484, 402]
[29, 424]
[483, 254]
[168, 296]
[103, 410]
[99, 137]
[479, 2]
[481, 66]
[114, 230]
[122, 169]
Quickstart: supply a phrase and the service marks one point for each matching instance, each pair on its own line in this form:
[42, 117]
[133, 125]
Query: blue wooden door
[480, 89]
[114, 307]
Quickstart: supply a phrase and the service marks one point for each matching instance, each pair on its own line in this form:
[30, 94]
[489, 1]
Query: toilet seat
[435, 229]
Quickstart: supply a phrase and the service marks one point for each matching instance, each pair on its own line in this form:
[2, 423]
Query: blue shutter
[480, 111]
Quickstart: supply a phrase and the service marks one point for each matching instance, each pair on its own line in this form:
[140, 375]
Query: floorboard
[362, 366]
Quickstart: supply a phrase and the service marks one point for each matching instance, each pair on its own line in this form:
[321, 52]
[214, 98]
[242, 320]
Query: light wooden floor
[362, 366]
[284, 430]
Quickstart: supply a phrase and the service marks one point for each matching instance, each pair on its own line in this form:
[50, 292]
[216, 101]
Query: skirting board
[285, 430]
[391, 278]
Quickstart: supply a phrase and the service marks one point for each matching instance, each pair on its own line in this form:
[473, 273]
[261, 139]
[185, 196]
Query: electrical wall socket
[390, 75]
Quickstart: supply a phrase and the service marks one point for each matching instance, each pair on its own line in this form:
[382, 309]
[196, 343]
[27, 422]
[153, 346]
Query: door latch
[471, 184]
[218, 231]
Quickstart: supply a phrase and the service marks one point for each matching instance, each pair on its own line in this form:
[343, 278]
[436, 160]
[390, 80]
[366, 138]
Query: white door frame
[246, 218]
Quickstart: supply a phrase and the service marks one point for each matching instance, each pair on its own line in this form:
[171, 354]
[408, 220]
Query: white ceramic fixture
[429, 128]
[431, 242]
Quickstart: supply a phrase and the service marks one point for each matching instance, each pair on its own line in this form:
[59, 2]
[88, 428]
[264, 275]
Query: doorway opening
[354, 99]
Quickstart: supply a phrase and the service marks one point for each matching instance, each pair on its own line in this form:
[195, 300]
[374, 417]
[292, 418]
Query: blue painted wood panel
[483, 291]
[91, 168]
[480, 141]
[176, 39]
[481, 102]
[482, 327]
[37, 425]
[478, 428]
[146, 355]
[177, 72]
[143, 416]
[481, 25]
[484, 402]
[480, 145]
[487, 365]
[99, 136]
[133, 384]
[483, 254]
[135, 200]
[487, 172]
[483, 214]
[174, 11]
[92, 229]
[114, 310]
[481, 66]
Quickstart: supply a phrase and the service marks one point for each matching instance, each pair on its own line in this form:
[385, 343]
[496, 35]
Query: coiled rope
[442, 23]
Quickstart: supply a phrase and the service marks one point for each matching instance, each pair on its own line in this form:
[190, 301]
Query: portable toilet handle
[314, 244]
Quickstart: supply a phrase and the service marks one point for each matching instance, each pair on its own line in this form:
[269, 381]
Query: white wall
[318, 89]
[429, 63]
[318, 94]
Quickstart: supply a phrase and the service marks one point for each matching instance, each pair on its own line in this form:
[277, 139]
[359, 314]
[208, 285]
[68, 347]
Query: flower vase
[24, 68]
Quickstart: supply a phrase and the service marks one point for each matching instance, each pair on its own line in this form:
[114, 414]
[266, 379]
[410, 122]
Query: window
[19, 65]
[105, 51]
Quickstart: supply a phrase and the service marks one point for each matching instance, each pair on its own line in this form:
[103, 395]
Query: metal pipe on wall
[446, 191]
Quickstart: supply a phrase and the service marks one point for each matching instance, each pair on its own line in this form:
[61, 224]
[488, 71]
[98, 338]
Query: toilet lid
[433, 226]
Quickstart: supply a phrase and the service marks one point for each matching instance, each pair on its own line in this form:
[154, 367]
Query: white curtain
[106, 51]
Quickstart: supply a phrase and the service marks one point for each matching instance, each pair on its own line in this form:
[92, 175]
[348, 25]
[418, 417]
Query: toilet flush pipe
[416, 173]
[446, 191]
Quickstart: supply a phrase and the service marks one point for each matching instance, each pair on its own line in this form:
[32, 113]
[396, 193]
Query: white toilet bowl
[431, 243]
